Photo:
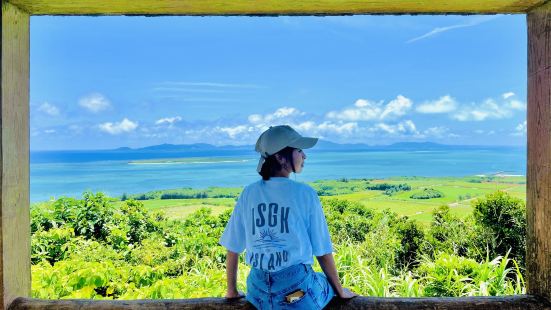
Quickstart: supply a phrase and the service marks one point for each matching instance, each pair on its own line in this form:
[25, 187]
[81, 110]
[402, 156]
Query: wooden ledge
[524, 302]
[272, 7]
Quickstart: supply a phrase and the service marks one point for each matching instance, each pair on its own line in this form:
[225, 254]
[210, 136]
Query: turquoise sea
[70, 173]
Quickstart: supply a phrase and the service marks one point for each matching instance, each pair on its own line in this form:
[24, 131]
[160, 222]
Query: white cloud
[281, 115]
[397, 107]
[49, 131]
[338, 128]
[405, 127]
[517, 105]
[472, 21]
[168, 120]
[366, 110]
[255, 118]
[326, 128]
[306, 126]
[437, 132]
[444, 104]
[507, 95]
[49, 109]
[234, 132]
[489, 109]
[94, 102]
[125, 125]
[248, 133]
[520, 130]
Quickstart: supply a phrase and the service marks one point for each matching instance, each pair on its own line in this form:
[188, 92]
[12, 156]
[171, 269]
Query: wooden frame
[15, 271]
[15, 232]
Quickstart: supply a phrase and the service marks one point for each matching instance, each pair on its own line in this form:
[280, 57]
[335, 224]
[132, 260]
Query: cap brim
[260, 163]
[304, 143]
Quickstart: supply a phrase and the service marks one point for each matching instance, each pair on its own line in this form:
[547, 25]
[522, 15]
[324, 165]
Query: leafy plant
[89, 248]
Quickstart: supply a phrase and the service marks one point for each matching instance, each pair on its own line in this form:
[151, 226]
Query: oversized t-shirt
[280, 223]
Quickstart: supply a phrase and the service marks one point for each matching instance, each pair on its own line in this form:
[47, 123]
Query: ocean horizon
[114, 172]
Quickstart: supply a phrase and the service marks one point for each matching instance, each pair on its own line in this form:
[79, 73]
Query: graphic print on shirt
[269, 225]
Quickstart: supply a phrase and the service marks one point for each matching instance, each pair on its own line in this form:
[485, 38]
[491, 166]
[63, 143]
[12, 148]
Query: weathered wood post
[538, 195]
[15, 265]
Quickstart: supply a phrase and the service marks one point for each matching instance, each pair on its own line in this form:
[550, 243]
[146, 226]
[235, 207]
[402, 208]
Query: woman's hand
[327, 264]
[234, 294]
[347, 294]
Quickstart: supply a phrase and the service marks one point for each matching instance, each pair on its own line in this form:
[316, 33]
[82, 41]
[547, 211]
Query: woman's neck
[282, 173]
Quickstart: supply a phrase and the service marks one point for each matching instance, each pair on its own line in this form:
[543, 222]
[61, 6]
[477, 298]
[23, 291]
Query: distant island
[204, 150]
[321, 145]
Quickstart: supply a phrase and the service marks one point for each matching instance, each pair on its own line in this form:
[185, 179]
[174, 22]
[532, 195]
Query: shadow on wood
[465, 303]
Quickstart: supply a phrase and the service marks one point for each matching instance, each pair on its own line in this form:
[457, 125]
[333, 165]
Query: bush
[51, 245]
[427, 193]
[389, 189]
[338, 187]
[449, 234]
[346, 219]
[139, 221]
[503, 221]
[451, 275]
[43, 218]
[91, 216]
[411, 238]
[189, 193]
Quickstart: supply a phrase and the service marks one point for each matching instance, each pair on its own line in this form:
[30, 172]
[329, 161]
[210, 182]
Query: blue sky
[106, 82]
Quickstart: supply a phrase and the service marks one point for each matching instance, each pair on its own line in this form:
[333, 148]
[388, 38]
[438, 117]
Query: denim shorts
[267, 290]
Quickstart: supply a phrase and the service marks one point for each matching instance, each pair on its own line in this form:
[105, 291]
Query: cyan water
[55, 174]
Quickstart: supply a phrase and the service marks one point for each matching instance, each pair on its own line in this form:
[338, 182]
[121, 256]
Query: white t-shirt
[280, 223]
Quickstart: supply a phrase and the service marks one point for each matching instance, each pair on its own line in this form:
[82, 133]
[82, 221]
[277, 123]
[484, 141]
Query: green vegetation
[427, 193]
[97, 247]
[503, 219]
[339, 187]
[457, 193]
[390, 189]
[186, 193]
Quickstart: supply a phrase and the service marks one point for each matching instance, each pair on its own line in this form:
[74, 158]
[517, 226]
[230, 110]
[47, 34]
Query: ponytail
[271, 166]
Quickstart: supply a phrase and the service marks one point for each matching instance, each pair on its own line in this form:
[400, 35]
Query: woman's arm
[327, 264]
[232, 259]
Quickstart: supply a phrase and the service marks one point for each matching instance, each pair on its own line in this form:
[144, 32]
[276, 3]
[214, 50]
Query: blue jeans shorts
[267, 290]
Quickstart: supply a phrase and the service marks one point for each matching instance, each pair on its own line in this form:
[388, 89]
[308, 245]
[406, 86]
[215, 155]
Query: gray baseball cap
[276, 138]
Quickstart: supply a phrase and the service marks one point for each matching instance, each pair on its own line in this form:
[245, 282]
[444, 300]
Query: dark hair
[271, 165]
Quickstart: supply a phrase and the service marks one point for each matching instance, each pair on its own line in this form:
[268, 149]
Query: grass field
[180, 208]
[458, 193]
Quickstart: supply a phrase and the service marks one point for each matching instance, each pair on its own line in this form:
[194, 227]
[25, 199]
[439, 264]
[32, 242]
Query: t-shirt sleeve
[319, 232]
[233, 237]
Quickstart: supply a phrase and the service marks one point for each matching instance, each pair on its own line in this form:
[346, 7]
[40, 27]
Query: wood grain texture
[519, 302]
[15, 265]
[538, 195]
[271, 7]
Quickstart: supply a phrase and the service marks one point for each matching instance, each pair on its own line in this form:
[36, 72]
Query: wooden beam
[538, 191]
[519, 302]
[15, 265]
[271, 7]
